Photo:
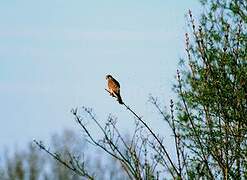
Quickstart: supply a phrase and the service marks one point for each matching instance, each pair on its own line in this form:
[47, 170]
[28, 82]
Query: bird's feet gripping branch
[114, 88]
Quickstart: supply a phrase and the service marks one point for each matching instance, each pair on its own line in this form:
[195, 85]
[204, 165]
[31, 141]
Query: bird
[114, 88]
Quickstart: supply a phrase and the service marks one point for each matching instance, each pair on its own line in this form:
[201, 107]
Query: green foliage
[208, 122]
[212, 117]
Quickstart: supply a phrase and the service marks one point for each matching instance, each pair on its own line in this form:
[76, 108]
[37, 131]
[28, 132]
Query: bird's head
[108, 77]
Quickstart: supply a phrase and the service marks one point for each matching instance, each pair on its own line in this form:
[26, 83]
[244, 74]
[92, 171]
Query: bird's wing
[116, 82]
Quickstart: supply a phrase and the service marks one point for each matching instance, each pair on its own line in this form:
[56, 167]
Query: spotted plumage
[114, 88]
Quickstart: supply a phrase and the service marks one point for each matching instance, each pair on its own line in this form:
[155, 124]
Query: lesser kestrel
[114, 88]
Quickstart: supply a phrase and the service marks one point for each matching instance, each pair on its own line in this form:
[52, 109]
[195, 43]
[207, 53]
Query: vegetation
[208, 118]
[31, 164]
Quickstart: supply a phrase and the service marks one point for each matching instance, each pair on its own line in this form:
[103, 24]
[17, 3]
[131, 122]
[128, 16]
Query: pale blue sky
[54, 55]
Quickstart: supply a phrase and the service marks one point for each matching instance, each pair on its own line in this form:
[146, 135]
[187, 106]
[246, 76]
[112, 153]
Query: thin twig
[154, 135]
[56, 157]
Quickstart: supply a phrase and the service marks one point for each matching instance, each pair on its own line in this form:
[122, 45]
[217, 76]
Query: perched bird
[114, 88]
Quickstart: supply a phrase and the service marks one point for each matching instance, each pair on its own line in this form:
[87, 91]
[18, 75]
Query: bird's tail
[119, 99]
